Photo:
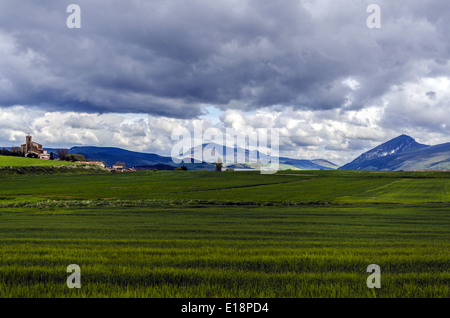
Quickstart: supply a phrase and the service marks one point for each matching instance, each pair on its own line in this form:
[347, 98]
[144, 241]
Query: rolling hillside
[431, 158]
[29, 162]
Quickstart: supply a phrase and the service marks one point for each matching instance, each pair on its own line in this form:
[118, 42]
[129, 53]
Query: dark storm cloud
[168, 57]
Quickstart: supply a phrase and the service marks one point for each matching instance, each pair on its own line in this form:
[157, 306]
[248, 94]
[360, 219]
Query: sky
[137, 70]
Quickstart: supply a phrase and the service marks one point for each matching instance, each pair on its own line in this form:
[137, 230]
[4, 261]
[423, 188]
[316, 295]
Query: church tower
[28, 144]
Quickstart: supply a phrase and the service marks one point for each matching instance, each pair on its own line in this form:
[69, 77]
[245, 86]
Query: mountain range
[400, 153]
[242, 158]
[111, 155]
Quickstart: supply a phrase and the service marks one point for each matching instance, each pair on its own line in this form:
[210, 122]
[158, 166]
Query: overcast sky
[136, 70]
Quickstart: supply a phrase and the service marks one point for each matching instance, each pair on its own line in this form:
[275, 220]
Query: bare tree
[62, 153]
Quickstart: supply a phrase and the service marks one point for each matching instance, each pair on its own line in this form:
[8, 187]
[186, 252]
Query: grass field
[7, 161]
[29, 166]
[237, 234]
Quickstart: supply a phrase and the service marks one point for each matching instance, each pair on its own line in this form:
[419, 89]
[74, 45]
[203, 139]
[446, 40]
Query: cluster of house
[115, 168]
[31, 147]
[120, 167]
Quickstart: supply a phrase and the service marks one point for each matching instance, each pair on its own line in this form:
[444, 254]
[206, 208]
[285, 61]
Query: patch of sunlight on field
[409, 190]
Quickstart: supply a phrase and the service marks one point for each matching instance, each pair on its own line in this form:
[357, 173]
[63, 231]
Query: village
[31, 149]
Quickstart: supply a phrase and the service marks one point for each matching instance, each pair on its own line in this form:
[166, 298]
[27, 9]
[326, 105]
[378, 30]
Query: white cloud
[409, 107]
[339, 136]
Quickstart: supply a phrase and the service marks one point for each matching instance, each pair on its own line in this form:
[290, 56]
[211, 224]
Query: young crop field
[231, 234]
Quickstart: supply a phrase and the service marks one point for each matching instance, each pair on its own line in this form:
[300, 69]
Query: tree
[4, 152]
[62, 153]
[16, 151]
[52, 156]
[75, 157]
[219, 164]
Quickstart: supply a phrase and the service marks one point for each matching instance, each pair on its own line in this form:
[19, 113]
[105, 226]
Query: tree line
[15, 152]
[63, 154]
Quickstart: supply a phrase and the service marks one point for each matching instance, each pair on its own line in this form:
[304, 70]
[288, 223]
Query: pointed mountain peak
[404, 138]
[385, 152]
[396, 145]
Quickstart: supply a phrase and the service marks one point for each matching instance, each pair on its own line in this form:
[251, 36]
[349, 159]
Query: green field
[6, 161]
[10, 165]
[230, 234]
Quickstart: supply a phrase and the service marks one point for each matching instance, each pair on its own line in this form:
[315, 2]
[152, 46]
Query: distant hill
[402, 153]
[243, 158]
[431, 158]
[111, 155]
[325, 163]
[303, 164]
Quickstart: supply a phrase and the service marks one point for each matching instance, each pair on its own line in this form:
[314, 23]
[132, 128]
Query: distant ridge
[325, 163]
[402, 153]
[285, 163]
[111, 155]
